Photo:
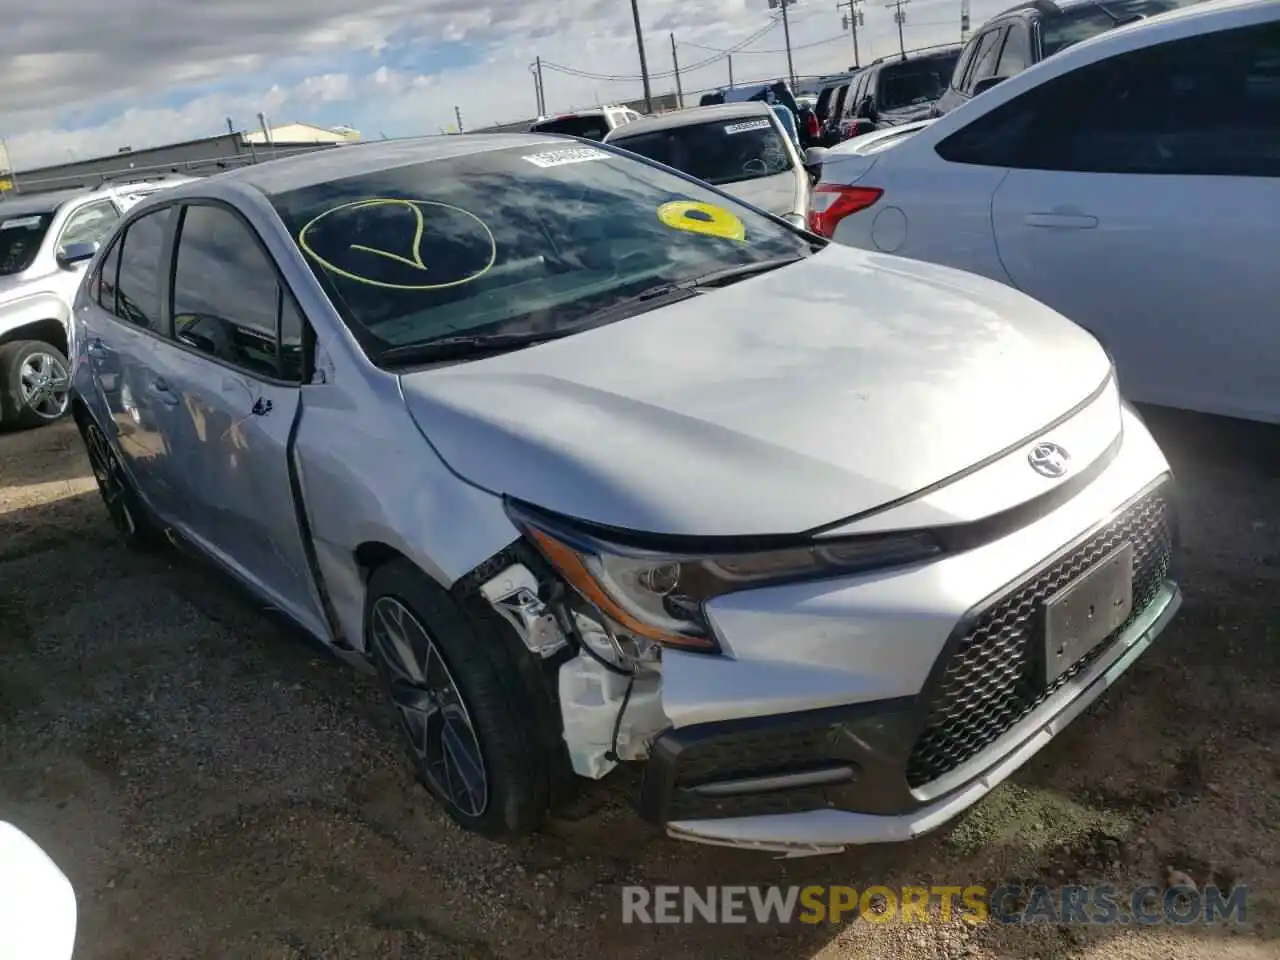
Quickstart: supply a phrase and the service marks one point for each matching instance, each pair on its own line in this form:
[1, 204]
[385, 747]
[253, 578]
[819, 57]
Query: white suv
[45, 241]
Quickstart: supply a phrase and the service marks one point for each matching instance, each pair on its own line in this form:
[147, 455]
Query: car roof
[911, 56]
[691, 116]
[350, 160]
[38, 202]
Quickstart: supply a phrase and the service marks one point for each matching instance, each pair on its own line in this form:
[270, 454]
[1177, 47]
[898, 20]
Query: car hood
[776, 194]
[781, 403]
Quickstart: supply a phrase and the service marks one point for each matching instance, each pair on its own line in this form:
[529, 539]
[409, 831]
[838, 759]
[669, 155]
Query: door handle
[1061, 221]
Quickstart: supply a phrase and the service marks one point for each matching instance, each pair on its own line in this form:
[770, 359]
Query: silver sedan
[595, 464]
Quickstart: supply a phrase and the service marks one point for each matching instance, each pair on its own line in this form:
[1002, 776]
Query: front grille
[988, 683]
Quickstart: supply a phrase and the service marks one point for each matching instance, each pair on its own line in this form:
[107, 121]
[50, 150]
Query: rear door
[1153, 217]
[237, 362]
[120, 327]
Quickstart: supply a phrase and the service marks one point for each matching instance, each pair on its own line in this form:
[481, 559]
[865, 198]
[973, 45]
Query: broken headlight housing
[660, 595]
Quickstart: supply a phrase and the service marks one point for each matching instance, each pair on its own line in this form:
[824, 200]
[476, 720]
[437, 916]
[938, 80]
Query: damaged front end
[609, 689]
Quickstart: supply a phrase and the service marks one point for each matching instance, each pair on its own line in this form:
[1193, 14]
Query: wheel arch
[50, 331]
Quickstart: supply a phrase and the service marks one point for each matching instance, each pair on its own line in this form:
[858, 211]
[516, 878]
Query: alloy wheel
[44, 385]
[111, 483]
[435, 718]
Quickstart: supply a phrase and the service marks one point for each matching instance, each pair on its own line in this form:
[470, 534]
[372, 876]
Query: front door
[234, 367]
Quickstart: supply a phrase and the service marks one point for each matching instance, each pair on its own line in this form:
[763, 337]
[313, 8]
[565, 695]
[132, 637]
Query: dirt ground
[214, 786]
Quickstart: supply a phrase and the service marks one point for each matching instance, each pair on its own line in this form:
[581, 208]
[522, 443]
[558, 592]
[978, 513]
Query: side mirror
[985, 84]
[814, 158]
[37, 903]
[74, 253]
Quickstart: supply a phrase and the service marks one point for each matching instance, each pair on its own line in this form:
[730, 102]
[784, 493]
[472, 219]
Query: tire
[35, 383]
[128, 515]
[477, 670]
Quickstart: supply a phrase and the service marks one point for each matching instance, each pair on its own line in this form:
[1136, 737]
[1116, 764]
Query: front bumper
[800, 780]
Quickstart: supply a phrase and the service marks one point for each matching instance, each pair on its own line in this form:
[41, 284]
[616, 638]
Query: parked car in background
[740, 147]
[777, 93]
[1151, 218]
[830, 108]
[897, 89]
[1021, 36]
[45, 241]
[592, 124]
[606, 465]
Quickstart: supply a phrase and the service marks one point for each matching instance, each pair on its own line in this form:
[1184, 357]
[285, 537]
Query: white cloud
[83, 79]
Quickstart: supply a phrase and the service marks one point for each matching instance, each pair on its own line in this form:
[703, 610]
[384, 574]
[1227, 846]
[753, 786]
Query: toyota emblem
[1048, 460]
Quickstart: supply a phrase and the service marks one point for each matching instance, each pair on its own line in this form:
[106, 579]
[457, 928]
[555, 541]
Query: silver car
[596, 465]
[742, 147]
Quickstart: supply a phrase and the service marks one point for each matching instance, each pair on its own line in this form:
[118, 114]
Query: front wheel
[35, 384]
[467, 717]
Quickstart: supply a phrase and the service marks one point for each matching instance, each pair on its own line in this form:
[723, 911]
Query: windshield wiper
[467, 345]
[740, 272]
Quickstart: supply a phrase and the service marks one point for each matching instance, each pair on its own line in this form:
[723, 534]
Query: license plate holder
[1086, 611]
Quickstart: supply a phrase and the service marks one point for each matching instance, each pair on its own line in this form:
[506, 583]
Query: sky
[85, 78]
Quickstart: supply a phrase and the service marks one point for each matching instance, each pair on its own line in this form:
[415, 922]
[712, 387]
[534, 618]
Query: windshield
[591, 126]
[1075, 25]
[914, 82]
[529, 239]
[727, 151]
[20, 239]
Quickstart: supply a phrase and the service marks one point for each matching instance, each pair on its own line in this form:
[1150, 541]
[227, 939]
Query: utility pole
[539, 94]
[644, 66]
[675, 62]
[457, 115]
[851, 22]
[731, 71]
[786, 33]
[899, 17]
[964, 20]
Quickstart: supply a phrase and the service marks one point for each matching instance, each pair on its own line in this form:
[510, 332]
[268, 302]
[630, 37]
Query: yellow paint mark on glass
[411, 257]
[705, 218]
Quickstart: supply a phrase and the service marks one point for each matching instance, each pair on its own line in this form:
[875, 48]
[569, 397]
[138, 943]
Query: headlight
[660, 596]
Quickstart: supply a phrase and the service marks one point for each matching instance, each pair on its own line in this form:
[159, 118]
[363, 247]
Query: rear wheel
[467, 718]
[128, 515]
[35, 384]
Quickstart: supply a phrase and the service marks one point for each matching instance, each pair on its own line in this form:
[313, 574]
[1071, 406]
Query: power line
[720, 55]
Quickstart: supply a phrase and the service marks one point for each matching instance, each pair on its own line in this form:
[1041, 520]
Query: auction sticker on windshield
[558, 158]
[22, 223]
[746, 125]
[693, 216]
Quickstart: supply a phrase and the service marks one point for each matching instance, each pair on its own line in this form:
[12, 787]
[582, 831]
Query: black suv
[897, 89]
[1024, 35]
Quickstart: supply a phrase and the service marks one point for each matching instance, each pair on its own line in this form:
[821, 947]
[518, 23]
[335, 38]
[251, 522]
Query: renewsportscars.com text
[1009, 904]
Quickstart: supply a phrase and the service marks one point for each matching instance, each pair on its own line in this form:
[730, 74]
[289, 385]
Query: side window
[104, 290]
[1016, 55]
[90, 224]
[962, 65]
[984, 64]
[1204, 106]
[226, 298]
[138, 279]
[292, 340]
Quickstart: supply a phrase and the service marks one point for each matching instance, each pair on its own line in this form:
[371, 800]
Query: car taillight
[811, 126]
[832, 202]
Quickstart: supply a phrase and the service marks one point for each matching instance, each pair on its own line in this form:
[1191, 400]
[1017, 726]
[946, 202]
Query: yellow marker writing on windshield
[414, 258]
[705, 218]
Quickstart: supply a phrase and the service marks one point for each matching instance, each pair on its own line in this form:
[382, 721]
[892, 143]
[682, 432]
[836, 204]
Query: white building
[298, 132]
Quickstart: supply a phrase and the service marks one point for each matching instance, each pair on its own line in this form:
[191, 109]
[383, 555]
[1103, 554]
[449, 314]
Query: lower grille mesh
[987, 685]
